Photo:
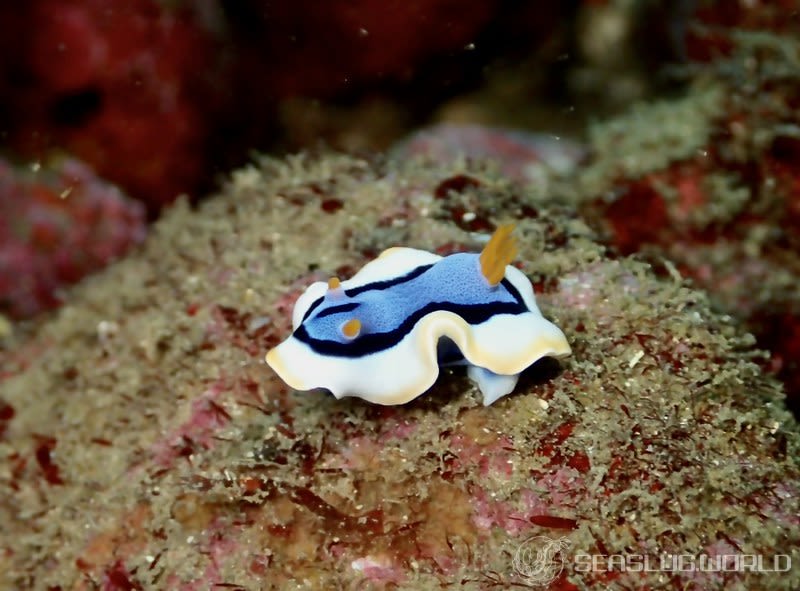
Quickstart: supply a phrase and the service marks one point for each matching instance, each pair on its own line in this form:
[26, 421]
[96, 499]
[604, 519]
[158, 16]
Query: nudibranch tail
[492, 385]
[498, 253]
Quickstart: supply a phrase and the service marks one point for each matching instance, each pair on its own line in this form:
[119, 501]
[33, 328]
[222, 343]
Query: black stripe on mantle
[369, 343]
[354, 291]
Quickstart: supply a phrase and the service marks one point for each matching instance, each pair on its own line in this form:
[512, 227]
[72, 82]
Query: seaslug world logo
[539, 559]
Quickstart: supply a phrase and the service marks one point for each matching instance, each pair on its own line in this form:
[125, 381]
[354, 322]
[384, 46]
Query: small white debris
[369, 562]
[106, 330]
[258, 322]
[635, 359]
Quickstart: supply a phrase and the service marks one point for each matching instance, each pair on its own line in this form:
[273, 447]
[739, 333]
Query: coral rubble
[146, 445]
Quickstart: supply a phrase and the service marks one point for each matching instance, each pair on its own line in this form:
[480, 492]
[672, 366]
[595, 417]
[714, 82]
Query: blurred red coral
[56, 226]
[309, 47]
[153, 93]
[127, 88]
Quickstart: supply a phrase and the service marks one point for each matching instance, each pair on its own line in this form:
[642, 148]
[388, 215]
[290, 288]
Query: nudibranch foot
[492, 385]
[382, 334]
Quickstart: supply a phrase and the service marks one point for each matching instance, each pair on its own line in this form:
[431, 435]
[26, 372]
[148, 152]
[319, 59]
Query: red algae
[6, 414]
[44, 449]
[196, 434]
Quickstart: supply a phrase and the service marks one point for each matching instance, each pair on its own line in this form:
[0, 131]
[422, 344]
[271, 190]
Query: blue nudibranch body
[383, 334]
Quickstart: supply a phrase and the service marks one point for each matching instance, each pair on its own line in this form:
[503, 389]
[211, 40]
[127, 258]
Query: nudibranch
[383, 334]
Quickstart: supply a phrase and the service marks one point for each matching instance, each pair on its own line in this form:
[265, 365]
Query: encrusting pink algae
[146, 445]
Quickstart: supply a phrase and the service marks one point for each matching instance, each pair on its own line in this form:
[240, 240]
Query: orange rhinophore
[498, 253]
